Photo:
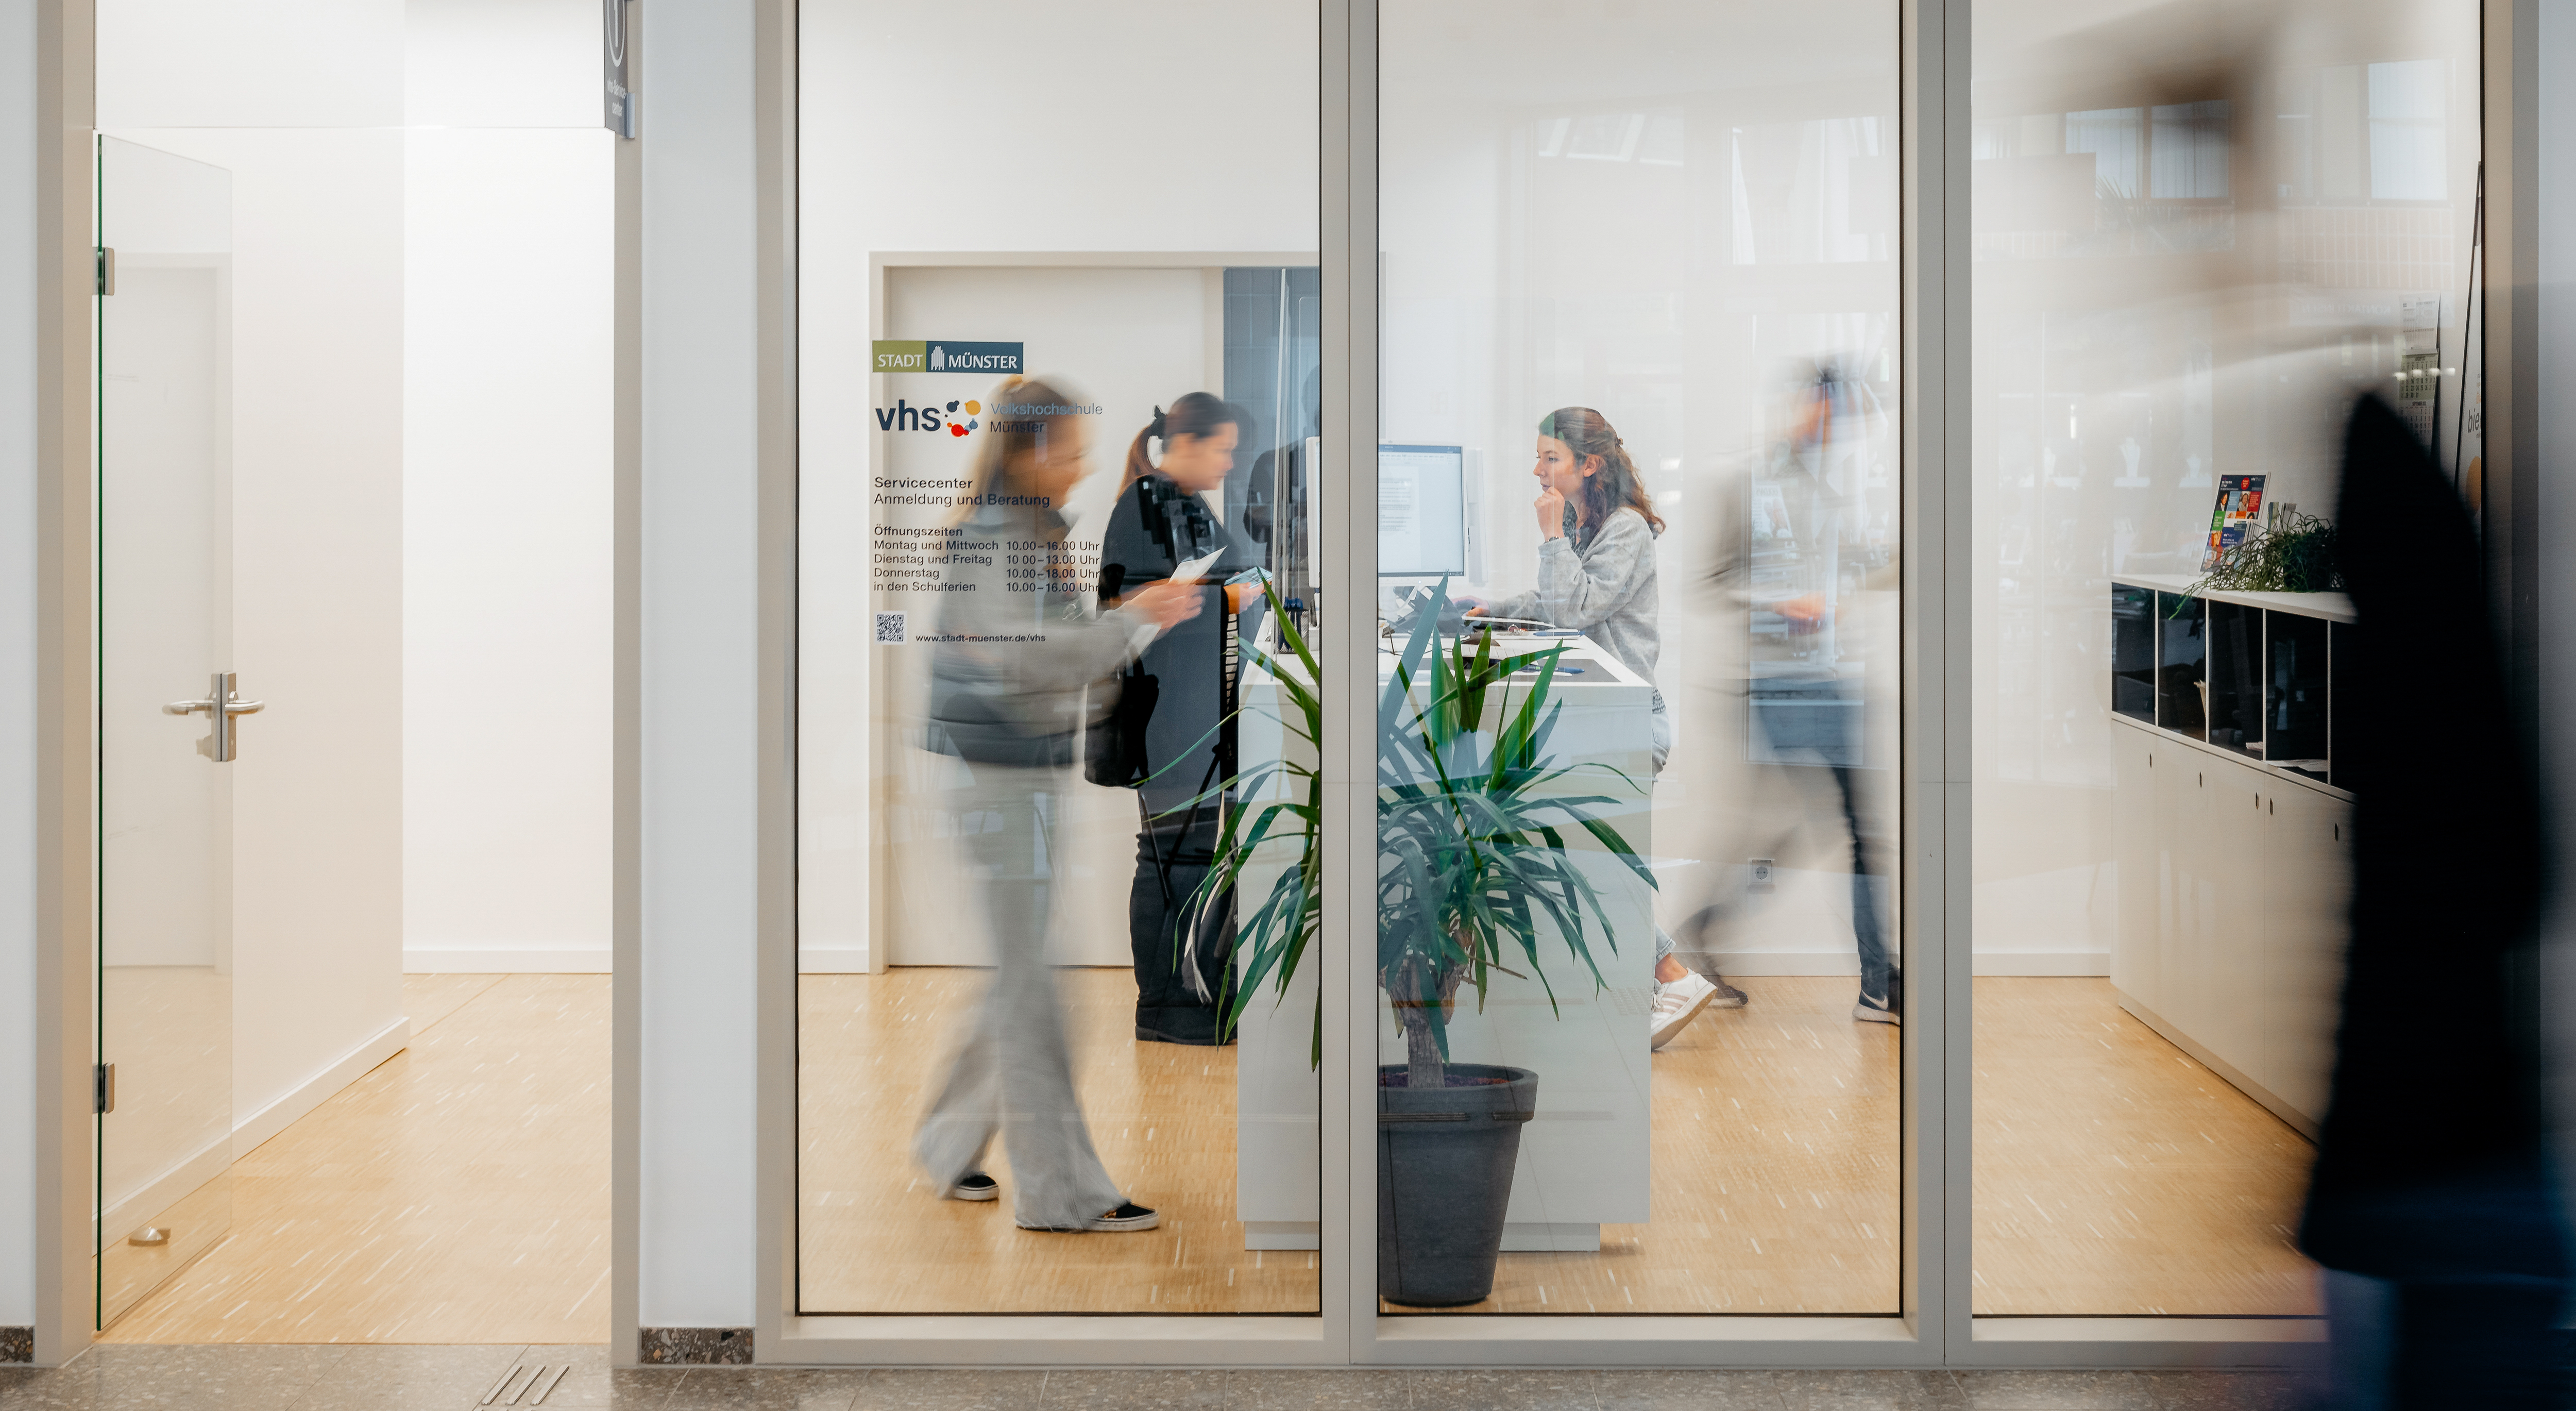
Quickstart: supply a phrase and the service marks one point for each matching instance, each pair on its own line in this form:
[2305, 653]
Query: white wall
[506, 494]
[700, 679]
[18, 203]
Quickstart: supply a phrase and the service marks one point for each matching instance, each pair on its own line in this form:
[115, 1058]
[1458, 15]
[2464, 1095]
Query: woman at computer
[1172, 708]
[1009, 681]
[1596, 575]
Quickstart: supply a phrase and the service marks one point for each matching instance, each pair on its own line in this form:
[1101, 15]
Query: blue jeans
[1837, 746]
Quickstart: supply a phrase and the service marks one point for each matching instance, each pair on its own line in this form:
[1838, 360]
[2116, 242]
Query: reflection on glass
[2199, 238]
[2235, 679]
[1639, 988]
[2133, 652]
[1046, 501]
[2295, 734]
[2182, 662]
[165, 1014]
[2338, 637]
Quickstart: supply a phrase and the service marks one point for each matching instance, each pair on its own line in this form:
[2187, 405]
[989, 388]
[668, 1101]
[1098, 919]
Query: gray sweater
[1605, 589]
[1015, 648]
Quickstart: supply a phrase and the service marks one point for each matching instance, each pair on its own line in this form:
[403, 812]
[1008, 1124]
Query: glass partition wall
[1626, 306]
[2201, 234]
[1638, 546]
[1056, 509]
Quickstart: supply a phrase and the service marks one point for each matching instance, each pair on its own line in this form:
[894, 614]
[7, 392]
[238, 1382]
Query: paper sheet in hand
[1188, 573]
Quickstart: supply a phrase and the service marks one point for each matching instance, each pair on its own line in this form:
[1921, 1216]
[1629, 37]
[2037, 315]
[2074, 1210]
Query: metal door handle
[223, 702]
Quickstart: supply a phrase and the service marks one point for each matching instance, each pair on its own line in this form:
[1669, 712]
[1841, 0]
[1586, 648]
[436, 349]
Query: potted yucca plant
[1474, 874]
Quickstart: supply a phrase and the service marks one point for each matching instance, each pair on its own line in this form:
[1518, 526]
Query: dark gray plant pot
[1444, 1179]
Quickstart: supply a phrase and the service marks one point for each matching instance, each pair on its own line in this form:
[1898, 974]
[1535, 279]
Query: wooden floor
[1774, 1152]
[875, 1239]
[456, 1194]
[2115, 1175]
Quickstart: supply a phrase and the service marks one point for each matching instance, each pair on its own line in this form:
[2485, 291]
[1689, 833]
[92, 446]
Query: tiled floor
[306, 1377]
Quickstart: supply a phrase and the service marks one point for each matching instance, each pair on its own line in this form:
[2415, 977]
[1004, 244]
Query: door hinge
[102, 1088]
[106, 271]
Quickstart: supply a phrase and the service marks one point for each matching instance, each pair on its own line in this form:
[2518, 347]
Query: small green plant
[1472, 854]
[2294, 554]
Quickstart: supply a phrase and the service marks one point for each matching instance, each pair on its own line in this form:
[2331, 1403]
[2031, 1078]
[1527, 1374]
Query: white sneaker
[1676, 1005]
[1875, 1011]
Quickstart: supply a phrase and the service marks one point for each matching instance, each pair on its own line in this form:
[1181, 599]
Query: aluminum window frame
[1935, 1326]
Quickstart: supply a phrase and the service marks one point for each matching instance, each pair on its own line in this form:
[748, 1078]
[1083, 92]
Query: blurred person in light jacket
[1793, 550]
[1012, 661]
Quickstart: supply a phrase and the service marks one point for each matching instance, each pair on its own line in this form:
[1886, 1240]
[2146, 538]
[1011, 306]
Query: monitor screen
[1421, 511]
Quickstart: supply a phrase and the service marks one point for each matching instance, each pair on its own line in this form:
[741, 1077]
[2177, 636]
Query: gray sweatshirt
[1605, 589]
[1016, 648]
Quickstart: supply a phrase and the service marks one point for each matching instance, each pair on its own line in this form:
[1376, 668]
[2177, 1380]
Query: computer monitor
[1421, 511]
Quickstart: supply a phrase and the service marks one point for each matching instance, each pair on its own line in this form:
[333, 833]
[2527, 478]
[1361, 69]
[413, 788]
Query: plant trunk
[1424, 1070]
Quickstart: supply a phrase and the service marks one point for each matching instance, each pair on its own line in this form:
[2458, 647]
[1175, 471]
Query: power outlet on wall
[1760, 868]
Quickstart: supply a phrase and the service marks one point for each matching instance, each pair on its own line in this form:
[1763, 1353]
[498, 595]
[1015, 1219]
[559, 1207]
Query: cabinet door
[2232, 1012]
[2193, 925]
[2137, 968]
[2307, 893]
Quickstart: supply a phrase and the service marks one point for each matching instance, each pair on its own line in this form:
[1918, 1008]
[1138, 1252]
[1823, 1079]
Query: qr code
[890, 629]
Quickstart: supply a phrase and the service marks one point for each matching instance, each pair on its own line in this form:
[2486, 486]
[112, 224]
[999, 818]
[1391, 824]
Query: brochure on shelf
[2240, 500]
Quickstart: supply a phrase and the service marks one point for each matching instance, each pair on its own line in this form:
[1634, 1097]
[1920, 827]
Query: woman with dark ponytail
[1596, 575]
[1169, 733]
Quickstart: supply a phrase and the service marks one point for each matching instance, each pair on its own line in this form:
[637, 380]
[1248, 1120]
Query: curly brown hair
[1616, 485]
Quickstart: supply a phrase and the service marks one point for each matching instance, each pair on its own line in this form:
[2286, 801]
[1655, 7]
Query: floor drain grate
[516, 1382]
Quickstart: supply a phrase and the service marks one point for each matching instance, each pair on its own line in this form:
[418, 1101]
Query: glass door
[169, 718]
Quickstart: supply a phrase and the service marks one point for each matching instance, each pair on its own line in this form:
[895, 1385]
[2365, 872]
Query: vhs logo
[957, 417]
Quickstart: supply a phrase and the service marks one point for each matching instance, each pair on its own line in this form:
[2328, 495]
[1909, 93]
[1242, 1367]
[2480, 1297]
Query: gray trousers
[1013, 1076]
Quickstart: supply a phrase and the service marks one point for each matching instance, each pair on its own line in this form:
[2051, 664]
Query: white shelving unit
[2235, 871]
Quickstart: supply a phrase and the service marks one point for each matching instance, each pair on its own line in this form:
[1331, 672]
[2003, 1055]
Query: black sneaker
[975, 1185]
[1195, 1028]
[1888, 1008]
[1125, 1219]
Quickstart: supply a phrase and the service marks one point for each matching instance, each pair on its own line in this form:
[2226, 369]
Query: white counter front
[1584, 1161]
